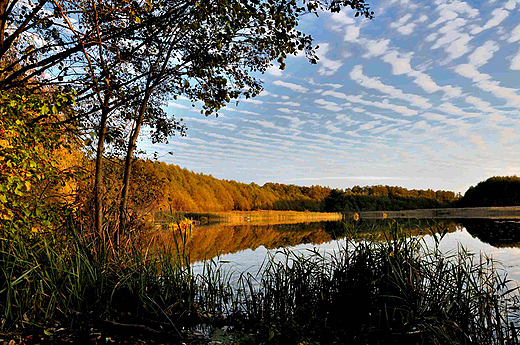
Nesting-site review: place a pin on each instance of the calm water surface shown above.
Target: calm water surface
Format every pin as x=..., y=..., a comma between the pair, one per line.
x=243, y=248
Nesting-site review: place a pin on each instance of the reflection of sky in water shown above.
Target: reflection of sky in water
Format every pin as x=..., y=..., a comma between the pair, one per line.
x=509, y=257
x=250, y=260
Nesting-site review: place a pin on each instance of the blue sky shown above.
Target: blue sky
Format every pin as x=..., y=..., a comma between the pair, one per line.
x=425, y=95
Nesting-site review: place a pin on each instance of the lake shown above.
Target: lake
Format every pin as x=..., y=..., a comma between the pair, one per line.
x=243, y=248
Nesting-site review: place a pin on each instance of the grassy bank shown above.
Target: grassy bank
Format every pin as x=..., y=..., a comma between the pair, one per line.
x=249, y=217
x=503, y=212
x=67, y=286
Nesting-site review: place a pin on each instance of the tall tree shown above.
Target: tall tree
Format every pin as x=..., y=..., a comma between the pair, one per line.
x=208, y=50
x=127, y=58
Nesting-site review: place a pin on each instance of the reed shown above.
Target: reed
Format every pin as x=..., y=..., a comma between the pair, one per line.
x=68, y=285
x=67, y=282
x=247, y=217
x=397, y=291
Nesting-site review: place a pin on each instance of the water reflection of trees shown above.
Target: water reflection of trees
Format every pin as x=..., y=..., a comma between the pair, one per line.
x=206, y=242
x=498, y=233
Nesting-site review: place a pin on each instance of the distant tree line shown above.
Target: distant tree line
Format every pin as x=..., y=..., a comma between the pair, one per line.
x=157, y=186
x=495, y=191
x=386, y=198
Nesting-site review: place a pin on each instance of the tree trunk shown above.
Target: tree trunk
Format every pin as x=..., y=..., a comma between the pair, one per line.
x=98, y=182
x=128, y=164
x=3, y=19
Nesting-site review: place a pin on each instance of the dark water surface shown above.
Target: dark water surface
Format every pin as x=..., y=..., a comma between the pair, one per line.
x=243, y=248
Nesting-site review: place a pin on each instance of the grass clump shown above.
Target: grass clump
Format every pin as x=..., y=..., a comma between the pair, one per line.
x=70, y=285
x=396, y=291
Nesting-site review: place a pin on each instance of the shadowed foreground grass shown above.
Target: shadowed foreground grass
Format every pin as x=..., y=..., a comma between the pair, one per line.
x=68, y=287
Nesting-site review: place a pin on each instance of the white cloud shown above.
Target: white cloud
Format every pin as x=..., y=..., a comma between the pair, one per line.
x=400, y=62
x=331, y=127
x=374, y=83
x=274, y=70
x=498, y=15
x=239, y=111
x=265, y=93
x=328, y=105
x=515, y=35
x=479, y=104
x=294, y=121
x=265, y=124
x=407, y=29
x=346, y=120
x=484, y=81
x=286, y=111
x=452, y=40
x=431, y=37
x=469, y=71
x=434, y=117
x=369, y=125
x=507, y=135
x=401, y=21
x=294, y=87
x=177, y=105
x=289, y=104
x=375, y=47
x=336, y=94
x=460, y=7
x=444, y=16
x=511, y=4
x=402, y=27
x=334, y=86
x=212, y=123
x=426, y=83
x=327, y=66
x=483, y=54
x=353, y=134
x=422, y=18
x=515, y=61
x=385, y=104
x=250, y=100
x=351, y=33
x=343, y=17
x=458, y=47
x=506, y=93
x=451, y=109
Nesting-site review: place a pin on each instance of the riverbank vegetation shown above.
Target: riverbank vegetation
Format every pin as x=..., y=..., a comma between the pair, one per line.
x=62, y=287
x=264, y=217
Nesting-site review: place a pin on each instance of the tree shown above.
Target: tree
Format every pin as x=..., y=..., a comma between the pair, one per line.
x=126, y=59
x=29, y=169
x=207, y=51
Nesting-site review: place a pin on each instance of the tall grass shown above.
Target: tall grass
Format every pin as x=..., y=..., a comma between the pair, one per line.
x=398, y=291
x=369, y=292
x=69, y=280
x=247, y=217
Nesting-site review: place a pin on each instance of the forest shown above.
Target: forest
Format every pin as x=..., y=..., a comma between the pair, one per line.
x=495, y=191
x=157, y=186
